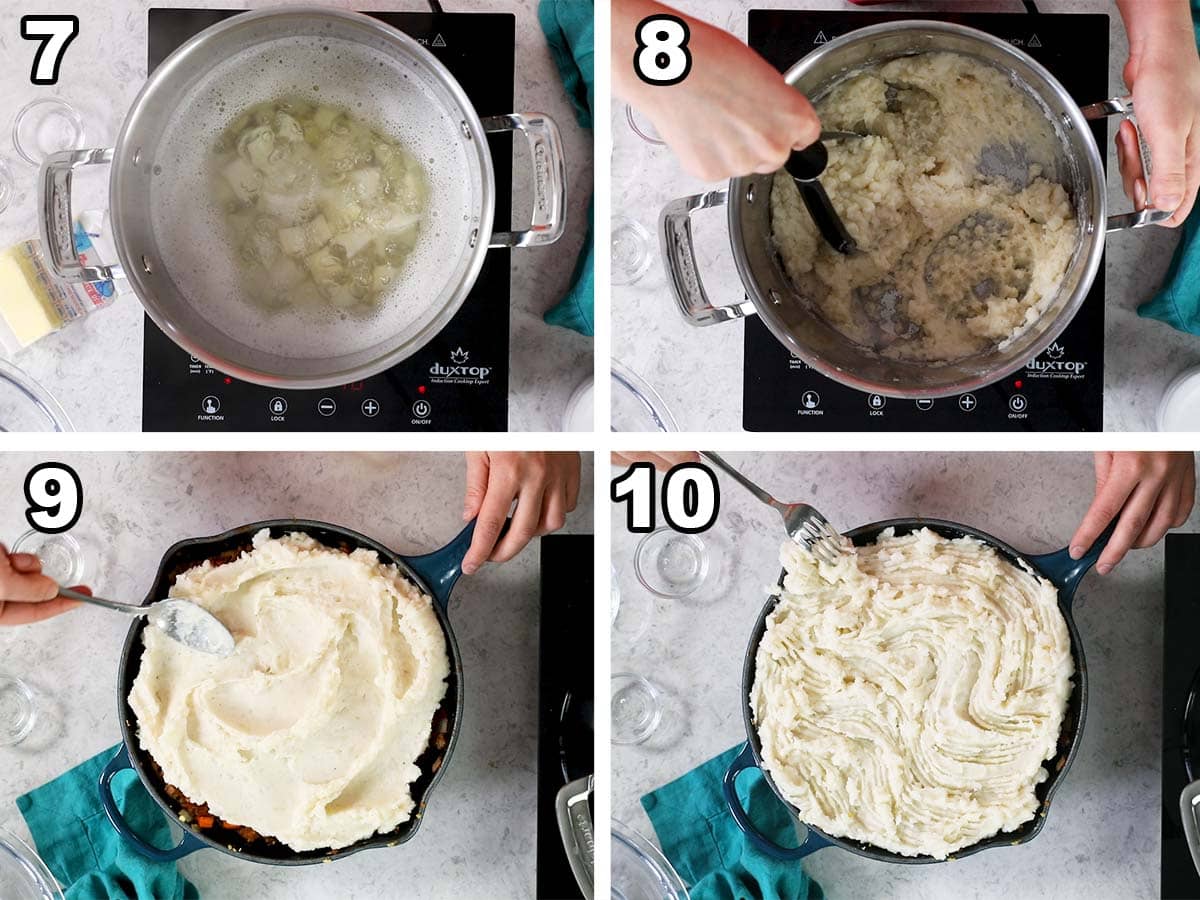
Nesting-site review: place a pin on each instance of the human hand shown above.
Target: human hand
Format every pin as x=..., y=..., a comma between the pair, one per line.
x=1163, y=74
x=545, y=486
x=732, y=115
x=26, y=595
x=662, y=461
x=1148, y=493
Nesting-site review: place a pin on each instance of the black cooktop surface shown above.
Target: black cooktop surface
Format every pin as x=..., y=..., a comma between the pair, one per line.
x=566, y=737
x=459, y=380
x=1181, y=663
x=1061, y=390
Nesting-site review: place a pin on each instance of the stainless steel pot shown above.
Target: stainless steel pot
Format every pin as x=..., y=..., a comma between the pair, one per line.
x=139, y=158
x=772, y=295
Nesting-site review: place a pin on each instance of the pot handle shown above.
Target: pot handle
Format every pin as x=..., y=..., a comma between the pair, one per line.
x=1189, y=801
x=1123, y=107
x=189, y=844
x=549, y=179
x=1066, y=573
x=679, y=256
x=442, y=568
x=575, y=827
x=812, y=841
x=56, y=220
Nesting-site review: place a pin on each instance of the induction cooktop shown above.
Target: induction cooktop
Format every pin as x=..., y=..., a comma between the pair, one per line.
x=459, y=380
x=566, y=736
x=1060, y=390
x=1181, y=709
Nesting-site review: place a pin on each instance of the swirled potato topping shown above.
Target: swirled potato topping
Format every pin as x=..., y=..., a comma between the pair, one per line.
x=310, y=732
x=909, y=696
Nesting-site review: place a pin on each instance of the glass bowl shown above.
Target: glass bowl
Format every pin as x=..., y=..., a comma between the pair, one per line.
x=636, y=708
x=639, y=869
x=636, y=406
x=670, y=564
x=7, y=185
x=26, y=406
x=18, y=713
x=46, y=126
x=23, y=875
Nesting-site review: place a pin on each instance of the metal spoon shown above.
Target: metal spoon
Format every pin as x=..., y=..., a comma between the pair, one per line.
x=803, y=523
x=180, y=620
x=805, y=166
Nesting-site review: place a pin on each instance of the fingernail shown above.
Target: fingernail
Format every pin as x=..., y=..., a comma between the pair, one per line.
x=1104, y=568
x=1171, y=201
x=1139, y=194
x=1075, y=552
x=469, y=568
x=466, y=514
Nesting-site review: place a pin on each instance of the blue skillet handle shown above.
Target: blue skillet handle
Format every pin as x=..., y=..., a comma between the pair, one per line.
x=1066, y=573
x=812, y=841
x=119, y=763
x=442, y=568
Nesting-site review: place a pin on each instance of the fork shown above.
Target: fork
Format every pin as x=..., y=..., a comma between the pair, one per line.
x=803, y=523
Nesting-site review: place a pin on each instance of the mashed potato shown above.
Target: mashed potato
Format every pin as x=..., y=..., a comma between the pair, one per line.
x=964, y=233
x=908, y=696
x=311, y=730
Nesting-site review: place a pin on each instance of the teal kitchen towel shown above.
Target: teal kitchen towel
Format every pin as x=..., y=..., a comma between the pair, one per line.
x=708, y=850
x=1178, y=301
x=82, y=849
x=569, y=29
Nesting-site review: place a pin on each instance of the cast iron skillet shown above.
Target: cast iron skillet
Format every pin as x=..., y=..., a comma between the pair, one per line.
x=1062, y=571
x=435, y=573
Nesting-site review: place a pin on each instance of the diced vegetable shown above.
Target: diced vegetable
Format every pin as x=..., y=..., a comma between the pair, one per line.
x=326, y=268
x=367, y=183
x=243, y=179
x=340, y=295
x=256, y=145
x=340, y=210
x=354, y=240
x=298, y=240
x=288, y=129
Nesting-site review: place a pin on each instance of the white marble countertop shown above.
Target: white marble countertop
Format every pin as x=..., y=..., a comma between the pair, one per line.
x=1101, y=836
x=478, y=838
x=698, y=371
x=94, y=368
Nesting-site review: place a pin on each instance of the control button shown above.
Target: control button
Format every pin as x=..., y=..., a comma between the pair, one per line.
x=210, y=405
x=194, y=359
x=924, y=404
x=1017, y=403
x=326, y=406
x=277, y=406
x=810, y=399
x=967, y=402
x=877, y=401
x=422, y=409
x=370, y=408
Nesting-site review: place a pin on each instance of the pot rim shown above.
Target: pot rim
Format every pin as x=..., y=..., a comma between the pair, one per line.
x=1093, y=233
x=123, y=156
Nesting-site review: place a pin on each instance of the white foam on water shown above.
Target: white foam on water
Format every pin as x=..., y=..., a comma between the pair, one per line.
x=382, y=92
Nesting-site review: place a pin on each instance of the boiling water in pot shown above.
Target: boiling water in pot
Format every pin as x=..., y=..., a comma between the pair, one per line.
x=387, y=94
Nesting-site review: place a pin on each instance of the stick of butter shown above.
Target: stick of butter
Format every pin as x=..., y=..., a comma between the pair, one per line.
x=34, y=303
x=25, y=288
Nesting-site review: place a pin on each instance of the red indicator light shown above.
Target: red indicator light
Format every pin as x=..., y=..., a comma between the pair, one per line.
x=229, y=381
x=421, y=389
x=1019, y=384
